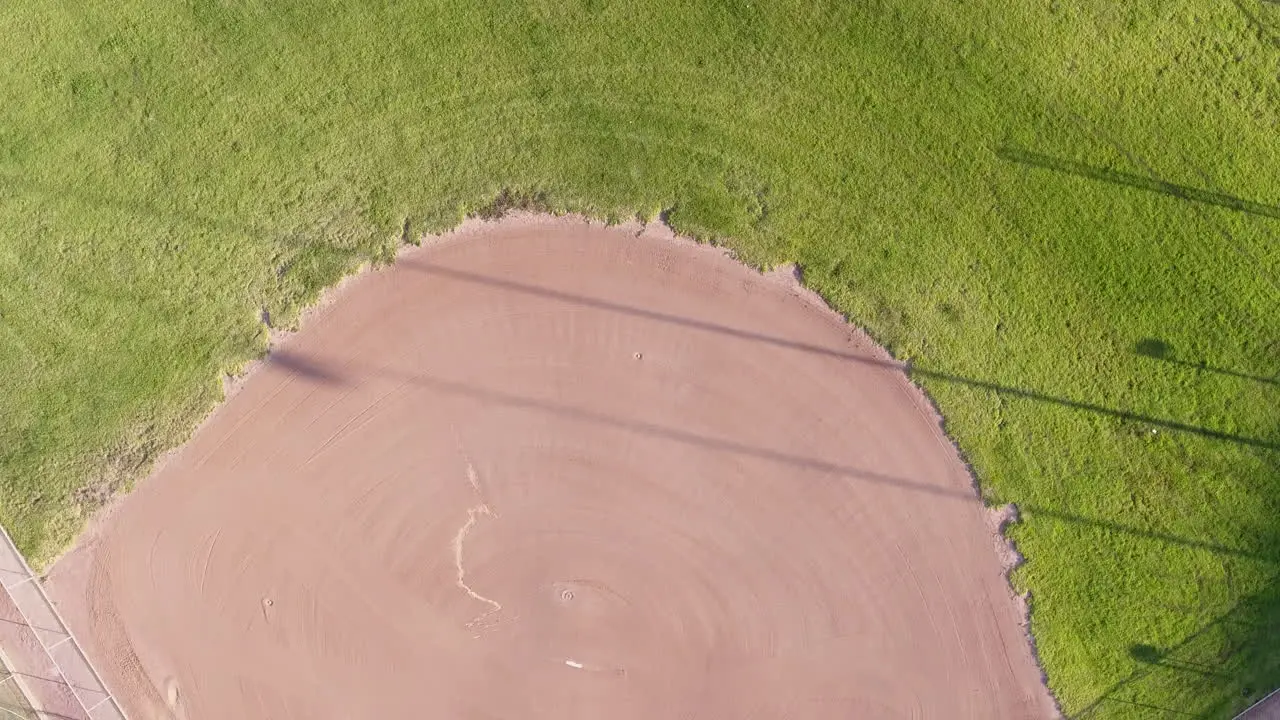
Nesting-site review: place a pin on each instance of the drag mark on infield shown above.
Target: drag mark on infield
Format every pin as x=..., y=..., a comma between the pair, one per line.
x=473, y=513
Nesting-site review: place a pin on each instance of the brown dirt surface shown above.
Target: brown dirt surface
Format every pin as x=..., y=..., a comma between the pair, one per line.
x=547, y=469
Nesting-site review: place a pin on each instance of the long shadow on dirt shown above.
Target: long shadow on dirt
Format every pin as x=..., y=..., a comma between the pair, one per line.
x=313, y=371
x=1233, y=656
x=1149, y=421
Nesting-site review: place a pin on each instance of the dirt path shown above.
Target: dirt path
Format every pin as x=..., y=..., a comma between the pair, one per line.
x=545, y=470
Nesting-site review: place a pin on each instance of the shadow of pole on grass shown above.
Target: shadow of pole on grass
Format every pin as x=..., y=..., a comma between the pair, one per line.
x=1156, y=535
x=1182, y=192
x=1232, y=656
x=1157, y=349
x=1151, y=655
x=1232, y=660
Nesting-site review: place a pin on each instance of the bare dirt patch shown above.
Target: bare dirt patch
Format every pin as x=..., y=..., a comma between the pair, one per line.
x=545, y=469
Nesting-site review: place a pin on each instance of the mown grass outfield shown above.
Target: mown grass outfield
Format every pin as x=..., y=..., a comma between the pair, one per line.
x=1065, y=212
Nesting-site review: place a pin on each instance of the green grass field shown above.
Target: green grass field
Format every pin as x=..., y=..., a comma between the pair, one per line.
x=1065, y=212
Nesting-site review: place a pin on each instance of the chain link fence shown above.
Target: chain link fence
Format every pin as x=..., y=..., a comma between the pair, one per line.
x=42, y=659
x=13, y=703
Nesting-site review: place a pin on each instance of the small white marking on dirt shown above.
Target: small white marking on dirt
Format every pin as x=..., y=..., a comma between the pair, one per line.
x=458, y=540
x=473, y=478
x=472, y=514
x=172, y=694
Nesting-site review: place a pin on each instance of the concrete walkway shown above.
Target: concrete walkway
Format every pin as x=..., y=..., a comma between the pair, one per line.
x=43, y=658
x=1268, y=708
x=13, y=703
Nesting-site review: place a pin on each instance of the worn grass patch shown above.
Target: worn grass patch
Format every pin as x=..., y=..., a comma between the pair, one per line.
x=1064, y=211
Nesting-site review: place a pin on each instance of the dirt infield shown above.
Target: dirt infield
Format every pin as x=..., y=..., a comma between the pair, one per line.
x=540, y=469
